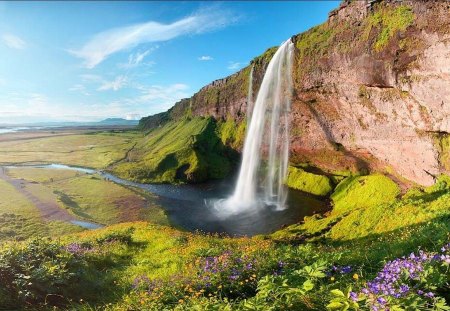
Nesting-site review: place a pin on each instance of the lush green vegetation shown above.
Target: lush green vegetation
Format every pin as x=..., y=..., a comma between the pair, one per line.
x=349, y=259
x=188, y=150
x=232, y=133
x=308, y=182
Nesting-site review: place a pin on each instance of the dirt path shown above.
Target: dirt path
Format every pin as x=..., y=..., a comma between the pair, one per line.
x=49, y=210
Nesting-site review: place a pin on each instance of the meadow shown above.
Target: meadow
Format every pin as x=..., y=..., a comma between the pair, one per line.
x=376, y=249
x=93, y=149
x=45, y=202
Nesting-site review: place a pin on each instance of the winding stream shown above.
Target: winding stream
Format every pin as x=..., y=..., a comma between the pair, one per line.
x=187, y=206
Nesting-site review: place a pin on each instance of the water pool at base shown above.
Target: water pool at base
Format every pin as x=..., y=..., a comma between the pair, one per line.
x=187, y=206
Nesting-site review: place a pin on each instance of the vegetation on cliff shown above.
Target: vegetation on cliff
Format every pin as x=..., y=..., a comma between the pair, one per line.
x=189, y=150
x=308, y=182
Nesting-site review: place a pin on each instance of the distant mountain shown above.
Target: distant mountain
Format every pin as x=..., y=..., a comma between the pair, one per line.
x=118, y=121
x=106, y=122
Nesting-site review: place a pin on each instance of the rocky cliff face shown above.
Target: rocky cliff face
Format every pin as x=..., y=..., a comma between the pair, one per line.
x=372, y=91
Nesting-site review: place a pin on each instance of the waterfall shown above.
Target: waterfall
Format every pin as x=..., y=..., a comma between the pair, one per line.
x=267, y=133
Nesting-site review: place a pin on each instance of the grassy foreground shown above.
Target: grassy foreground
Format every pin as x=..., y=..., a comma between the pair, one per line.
x=376, y=250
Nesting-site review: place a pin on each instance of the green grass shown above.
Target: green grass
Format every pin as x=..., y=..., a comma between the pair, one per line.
x=232, y=133
x=369, y=224
x=20, y=219
x=307, y=182
x=90, y=197
x=188, y=150
x=87, y=197
x=363, y=191
x=98, y=150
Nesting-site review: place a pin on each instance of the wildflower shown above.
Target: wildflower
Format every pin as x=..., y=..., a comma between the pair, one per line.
x=346, y=269
x=355, y=276
x=429, y=295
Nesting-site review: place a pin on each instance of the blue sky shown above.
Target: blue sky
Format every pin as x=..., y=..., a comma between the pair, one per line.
x=85, y=61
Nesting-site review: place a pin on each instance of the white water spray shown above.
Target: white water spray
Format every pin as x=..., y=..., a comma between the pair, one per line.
x=268, y=131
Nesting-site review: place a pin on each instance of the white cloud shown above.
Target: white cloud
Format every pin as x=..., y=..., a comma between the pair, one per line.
x=91, y=78
x=103, y=44
x=32, y=107
x=132, y=116
x=79, y=88
x=115, y=85
x=169, y=94
x=205, y=58
x=135, y=59
x=234, y=65
x=13, y=41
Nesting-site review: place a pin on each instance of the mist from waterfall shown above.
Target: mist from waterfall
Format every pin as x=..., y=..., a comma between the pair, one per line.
x=261, y=183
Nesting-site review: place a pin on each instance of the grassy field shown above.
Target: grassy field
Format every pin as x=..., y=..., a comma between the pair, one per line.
x=85, y=197
x=95, y=150
x=20, y=219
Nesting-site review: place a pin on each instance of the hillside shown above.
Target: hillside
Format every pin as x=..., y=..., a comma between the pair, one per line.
x=370, y=92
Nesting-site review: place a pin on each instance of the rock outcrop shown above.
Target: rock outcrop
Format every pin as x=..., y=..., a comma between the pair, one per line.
x=372, y=91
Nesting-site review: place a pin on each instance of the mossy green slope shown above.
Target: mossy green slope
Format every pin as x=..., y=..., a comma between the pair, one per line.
x=188, y=150
x=308, y=182
x=364, y=191
x=371, y=205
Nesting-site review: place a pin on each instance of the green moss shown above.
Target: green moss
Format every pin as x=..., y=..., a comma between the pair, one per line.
x=308, y=182
x=188, y=150
x=443, y=143
x=389, y=21
x=363, y=191
x=232, y=133
x=316, y=41
x=265, y=57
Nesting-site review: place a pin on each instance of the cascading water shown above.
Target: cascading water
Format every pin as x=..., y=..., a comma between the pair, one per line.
x=268, y=132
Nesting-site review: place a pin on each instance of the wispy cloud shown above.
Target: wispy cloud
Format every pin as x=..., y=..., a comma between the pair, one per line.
x=13, y=41
x=234, y=65
x=205, y=58
x=79, y=88
x=169, y=94
x=135, y=59
x=103, y=44
x=115, y=85
x=147, y=100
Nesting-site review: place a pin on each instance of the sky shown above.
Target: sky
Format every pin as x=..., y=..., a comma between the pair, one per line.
x=87, y=61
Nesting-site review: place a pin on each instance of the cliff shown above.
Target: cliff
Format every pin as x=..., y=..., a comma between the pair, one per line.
x=372, y=92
